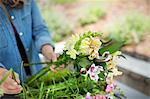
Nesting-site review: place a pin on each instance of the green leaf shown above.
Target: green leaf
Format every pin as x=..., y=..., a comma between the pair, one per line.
x=102, y=76
x=41, y=90
x=84, y=62
x=115, y=46
x=37, y=76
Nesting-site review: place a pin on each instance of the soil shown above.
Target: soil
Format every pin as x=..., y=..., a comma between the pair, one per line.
x=140, y=50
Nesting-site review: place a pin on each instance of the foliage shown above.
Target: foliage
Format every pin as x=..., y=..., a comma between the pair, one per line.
x=92, y=75
x=131, y=29
x=91, y=15
x=57, y=24
x=62, y=1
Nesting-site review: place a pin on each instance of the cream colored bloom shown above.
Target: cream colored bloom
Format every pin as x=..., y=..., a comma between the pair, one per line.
x=95, y=44
x=116, y=72
x=93, y=55
x=90, y=46
x=112, y=66
x=85, y=46
x=113, y=62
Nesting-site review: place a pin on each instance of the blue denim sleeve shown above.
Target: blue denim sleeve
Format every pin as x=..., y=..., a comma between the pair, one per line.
x=40, y=30
x=1, y=65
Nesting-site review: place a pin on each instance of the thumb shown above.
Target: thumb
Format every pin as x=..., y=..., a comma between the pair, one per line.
x=54, y=57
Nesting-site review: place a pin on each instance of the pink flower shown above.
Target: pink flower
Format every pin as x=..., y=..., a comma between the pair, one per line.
x=94, y=71
x=88, y=96
x=99, y=97
x=109, y=88
x=94, y=76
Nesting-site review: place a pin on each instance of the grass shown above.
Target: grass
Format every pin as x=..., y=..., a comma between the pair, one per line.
x=58, y=25
x=91, y=15
x=65, y=85
x=62, y=1
x=130, y=29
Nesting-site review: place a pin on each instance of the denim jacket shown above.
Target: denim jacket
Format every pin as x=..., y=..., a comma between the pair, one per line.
x=32, y=31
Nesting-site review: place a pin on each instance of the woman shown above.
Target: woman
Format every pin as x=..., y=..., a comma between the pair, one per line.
x=23, y=35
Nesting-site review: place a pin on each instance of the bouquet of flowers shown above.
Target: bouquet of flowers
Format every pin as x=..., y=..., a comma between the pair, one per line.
x=90, y=68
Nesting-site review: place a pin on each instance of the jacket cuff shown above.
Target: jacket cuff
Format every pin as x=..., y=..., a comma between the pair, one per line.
x=43, y=41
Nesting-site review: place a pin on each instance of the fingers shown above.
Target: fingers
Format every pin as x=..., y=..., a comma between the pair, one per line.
x=11, y=87
x=11, y=76
x=57, y=55
x=54, y=57
x=49, y=53
x=10, y=84
x=52, y=68
x=16, y=77
x=8, y=91
x=62, y=66
x=51, y=56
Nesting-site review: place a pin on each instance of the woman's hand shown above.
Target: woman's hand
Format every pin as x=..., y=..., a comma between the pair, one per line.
x=49, y=53
x=10, y=86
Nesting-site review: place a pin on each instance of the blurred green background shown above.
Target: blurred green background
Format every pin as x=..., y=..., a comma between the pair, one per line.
x=122, y=20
